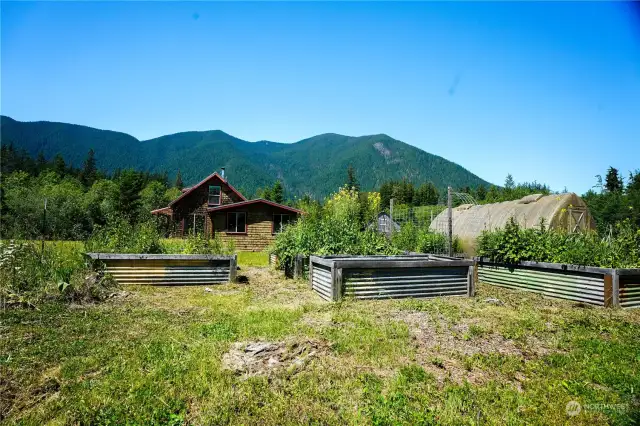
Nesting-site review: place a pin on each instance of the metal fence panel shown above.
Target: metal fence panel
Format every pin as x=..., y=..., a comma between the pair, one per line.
x=383, y=277
x=577, y=286
x=392, y=283
x=629, y=290
x=167, y=270
x=321, y=281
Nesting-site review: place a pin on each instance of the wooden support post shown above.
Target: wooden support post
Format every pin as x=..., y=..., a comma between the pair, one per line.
x=233, y=268
x=298, y=266
x=615, y=289
x=476, y=275
x=337, y=286
x=310, y=273
x=471, y=285
x=608, y=291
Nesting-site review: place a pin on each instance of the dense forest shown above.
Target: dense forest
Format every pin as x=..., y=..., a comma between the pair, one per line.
x=80, y=198
x=426, y=193
x=77, y=198
x=314, y=166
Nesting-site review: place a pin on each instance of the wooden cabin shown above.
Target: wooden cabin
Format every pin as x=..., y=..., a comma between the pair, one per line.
x=214, y=207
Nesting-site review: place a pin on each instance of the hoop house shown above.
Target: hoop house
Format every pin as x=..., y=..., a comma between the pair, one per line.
x=559, y=211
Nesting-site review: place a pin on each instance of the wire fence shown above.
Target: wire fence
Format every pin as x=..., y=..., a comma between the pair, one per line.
x=435, y=218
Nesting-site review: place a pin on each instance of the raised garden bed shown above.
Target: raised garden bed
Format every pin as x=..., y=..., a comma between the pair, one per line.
x=390, y=277
x=597, y=286
x=168, y=269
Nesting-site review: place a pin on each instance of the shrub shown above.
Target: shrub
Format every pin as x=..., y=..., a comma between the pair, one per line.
x=119, y=236
x=29, y=275
x=406, y=239
x=198, y=244
x=514, y=244
x=412, y=238
x=336, y=228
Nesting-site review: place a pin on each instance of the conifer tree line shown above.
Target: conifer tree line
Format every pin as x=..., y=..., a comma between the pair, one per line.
x=83, y=197
x=78, y=198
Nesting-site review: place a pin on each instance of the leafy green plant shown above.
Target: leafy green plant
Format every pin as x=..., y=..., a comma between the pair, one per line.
x=336, y=228
x=514, y=244
x=119, y=236
x=29, y=275
x=198, y=244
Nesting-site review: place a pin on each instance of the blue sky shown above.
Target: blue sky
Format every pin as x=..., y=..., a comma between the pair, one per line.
x=545, y=91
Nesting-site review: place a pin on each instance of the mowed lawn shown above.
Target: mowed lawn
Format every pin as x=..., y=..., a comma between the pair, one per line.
x=156, y=355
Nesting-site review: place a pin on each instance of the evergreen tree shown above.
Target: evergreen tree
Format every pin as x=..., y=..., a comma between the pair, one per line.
x=426, y=195
x=493, y=195
x=352, y=182
x=179, y=184
x=278, y=192
x=130, y=184
x=41, y=162
x=59, y=166
x=89, y=169
x=386, y=194
x=613, y=182
x=509, y=183
x=264, y=193
x=481, y=193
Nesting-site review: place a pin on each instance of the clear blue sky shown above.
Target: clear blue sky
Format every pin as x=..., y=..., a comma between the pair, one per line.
x=545, y=91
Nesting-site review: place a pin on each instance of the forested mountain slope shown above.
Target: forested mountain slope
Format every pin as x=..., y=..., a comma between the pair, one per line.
x=316, y=166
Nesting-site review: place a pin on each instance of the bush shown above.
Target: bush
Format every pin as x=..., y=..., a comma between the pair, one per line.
x=198, y=244
x=411, y=238
x=514, y=244
x=119, y=236
x=29, y=275
x=336, y=228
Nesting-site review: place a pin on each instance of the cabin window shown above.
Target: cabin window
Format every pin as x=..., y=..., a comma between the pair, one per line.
x=237, y=222
x=279, y=222
x=214, y=195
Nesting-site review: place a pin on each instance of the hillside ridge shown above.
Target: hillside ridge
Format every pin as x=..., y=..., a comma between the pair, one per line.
x=316, y=165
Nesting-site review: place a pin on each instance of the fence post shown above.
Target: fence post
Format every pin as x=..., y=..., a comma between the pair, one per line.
x=310, y=273
x=337, y=283
x=233, y=268
x=615, y=289
x=450, y=221
x=608, y=290
x=297, y=266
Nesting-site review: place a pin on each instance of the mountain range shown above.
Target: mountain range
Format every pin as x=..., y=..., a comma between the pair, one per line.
x=315, y=166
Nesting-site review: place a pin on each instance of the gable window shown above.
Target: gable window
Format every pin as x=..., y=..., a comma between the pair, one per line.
x=237, y=222
x=214, y=195
x=279, y=222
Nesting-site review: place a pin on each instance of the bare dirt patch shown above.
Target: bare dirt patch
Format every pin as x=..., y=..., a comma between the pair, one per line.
x=442, y=347
x=264, y=358
x=271, y=287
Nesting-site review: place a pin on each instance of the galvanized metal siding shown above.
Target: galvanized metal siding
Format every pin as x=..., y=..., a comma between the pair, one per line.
x=393, y=283
x=576, y=286
x=167, y=272
x=630, y=291
x=321, y=281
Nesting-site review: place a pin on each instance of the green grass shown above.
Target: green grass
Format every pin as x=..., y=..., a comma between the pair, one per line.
x=154, y=357
x=248, y=258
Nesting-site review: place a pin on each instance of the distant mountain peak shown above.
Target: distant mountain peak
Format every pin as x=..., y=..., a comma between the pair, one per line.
x=315, y=166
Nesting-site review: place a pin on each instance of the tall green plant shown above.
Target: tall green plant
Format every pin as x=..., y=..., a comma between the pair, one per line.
x=514, y=244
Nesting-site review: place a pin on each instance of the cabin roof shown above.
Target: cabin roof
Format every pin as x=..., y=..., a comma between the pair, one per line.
x=204, y=181
x=256, y=201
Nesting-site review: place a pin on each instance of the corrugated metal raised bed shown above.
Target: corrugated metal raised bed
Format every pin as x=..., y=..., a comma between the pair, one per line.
x=168, y=269
x=596, y=286
x=629, y=287
x=390, y=277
